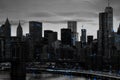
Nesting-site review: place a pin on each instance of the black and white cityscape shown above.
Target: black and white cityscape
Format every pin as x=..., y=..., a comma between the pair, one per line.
x=82, y=56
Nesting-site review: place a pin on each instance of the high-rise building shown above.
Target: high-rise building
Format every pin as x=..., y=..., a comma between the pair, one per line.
x=66, y=36
x=46, y=33
x=83, y=35
x=105, y=31
x=35, y=29
x=50, y=36
x=109, y=10
x=19, y=31
x=89, y=39
x=103, y=34
x=73, y=26
x=7, y=29
x=7, y=34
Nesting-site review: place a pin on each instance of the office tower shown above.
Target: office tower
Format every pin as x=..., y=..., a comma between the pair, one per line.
x=66, y=36
x=103, y=34
x=50, y=36
x=30, y=47
x=83, y=35
x=109, y=10
x=35, y=30
x=89, y=39
x=19, y=31
x=46, y=33
x=73, y=26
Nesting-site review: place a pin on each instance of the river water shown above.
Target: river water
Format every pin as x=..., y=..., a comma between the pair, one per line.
x=43, y=76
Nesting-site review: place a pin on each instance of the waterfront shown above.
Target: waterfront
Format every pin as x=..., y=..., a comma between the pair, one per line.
x=43, y=76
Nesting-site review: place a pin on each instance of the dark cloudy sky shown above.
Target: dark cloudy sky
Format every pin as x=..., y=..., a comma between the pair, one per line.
x=55, y=13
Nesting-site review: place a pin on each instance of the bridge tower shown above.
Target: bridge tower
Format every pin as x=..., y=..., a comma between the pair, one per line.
x=18, y=68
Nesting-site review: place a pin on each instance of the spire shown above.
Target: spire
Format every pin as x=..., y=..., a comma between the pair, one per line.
x=7, y=21
x=19, y=25
x=19, y=30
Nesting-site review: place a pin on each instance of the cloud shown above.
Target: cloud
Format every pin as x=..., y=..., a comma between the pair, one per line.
x=65, y=21
x=86, y=14
x=42, y=14
x=51, y=8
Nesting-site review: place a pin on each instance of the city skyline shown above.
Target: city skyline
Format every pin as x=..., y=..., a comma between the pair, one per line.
x=85, y=12
x=60, y=49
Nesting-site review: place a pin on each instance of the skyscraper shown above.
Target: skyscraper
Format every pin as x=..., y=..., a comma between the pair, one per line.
x=109, y=10
x=50, y=36
x=105, y=31
x=73, y=26
x=46, y=33
x=103, y=34
x=83, y=35
x=7, y=34
x=19, y=31
x=7, y=29
x=89, y=39
x=66, y=36
x=35, y=29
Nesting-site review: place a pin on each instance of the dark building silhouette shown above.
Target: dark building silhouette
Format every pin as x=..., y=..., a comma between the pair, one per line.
x=73, y=26
x=109, y=10
x=46, y=33
x=18, y=67
x=103, y=34
x=83, y=37
x=35, y=29
x=7, y=29
x=66, y=36
x=19, y=31
x=7, y=34
x=2, y=47
x=105, y=38
x=105, y=30
x=30, y=47
x=89, y=39
x=50, y=36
